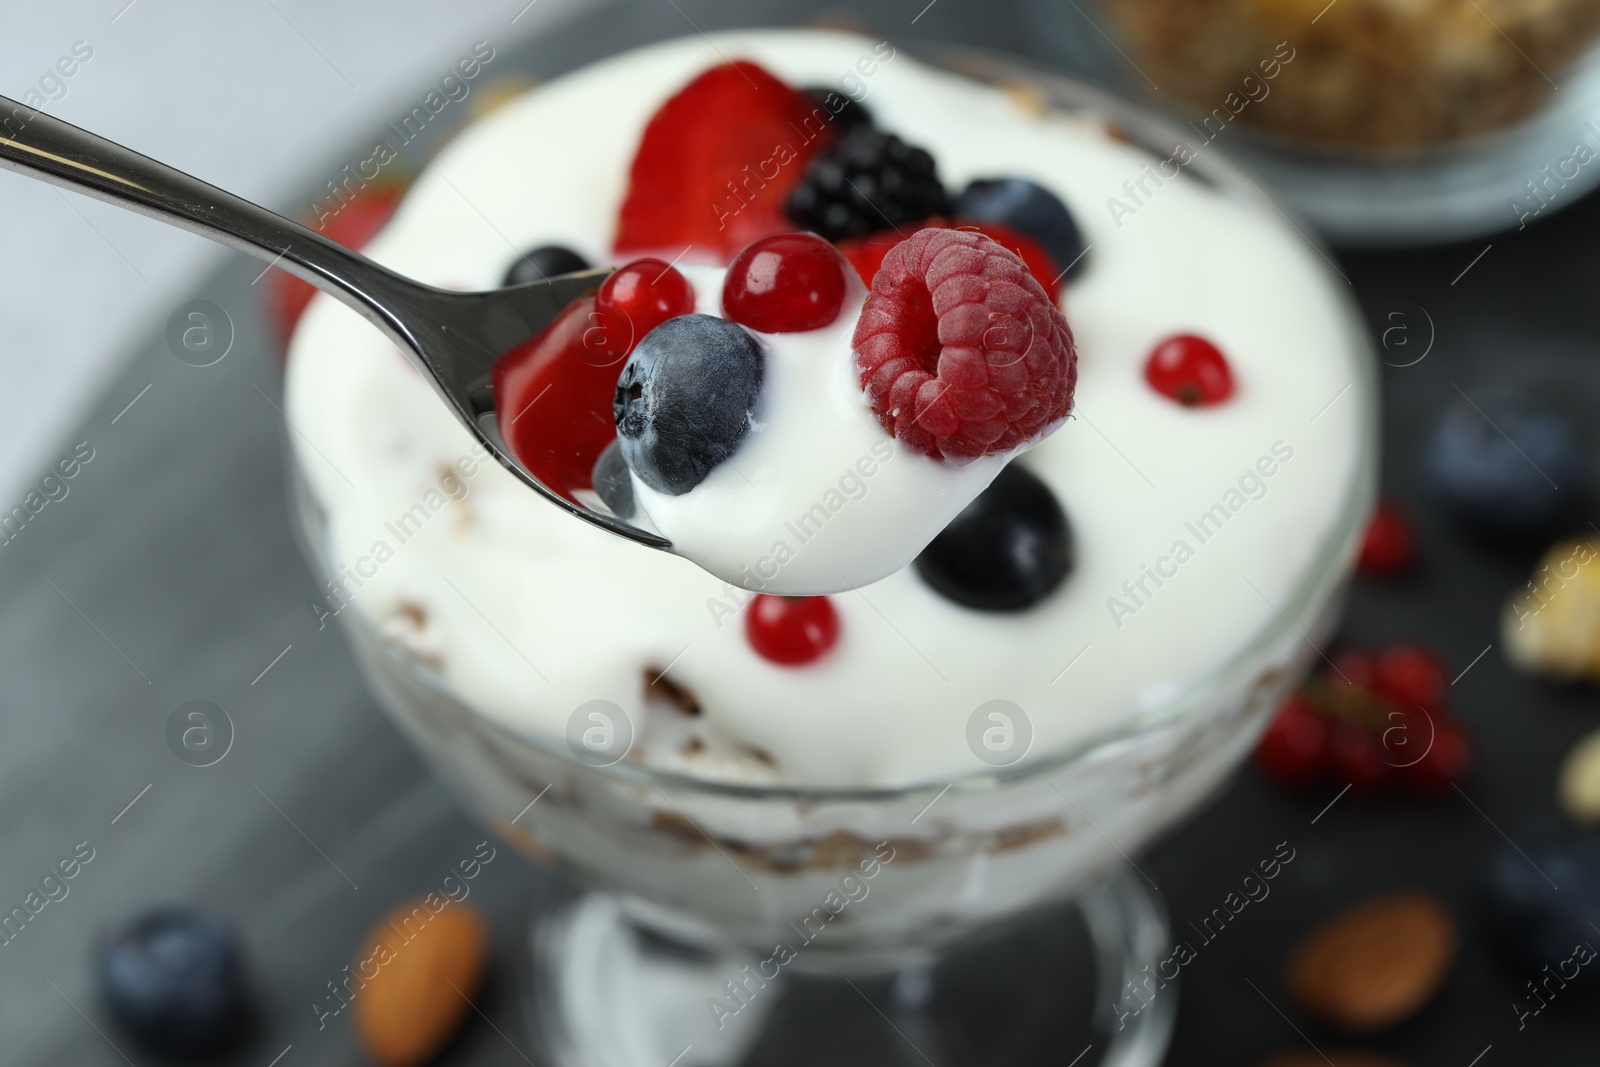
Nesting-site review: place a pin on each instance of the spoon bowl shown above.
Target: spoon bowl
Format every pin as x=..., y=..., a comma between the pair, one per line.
x=453, y=338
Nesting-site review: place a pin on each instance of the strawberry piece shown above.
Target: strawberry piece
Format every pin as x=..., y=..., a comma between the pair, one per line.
x=959, y=349
x=717, y=162
x=866, y=253
x=570, y=376
x=356, y=222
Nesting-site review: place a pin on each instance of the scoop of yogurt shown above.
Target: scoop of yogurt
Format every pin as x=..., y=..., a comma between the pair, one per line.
x=754, y=447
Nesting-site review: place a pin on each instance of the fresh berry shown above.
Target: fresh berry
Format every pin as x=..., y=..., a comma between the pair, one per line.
x=847, y=113
x=717, y=163
x=543, y=263
x=1294, y=749
x=1444, y=761
x=174, y=979
x=634, y=300
x=1535, y=924
x=868, y=181
x=959, y=349
x=1190, y=370
x=612, y=481
x=791, y=630
x=1410, y=676
x=1505, y=466
x=1356, y=754
x=685, y=400
x=357, y=221
x=572, y=386
x=1028, y=208
x=1389, y=547
x=786, y=283
x=1354, y=667
x=866, y=253
x=1006, y=551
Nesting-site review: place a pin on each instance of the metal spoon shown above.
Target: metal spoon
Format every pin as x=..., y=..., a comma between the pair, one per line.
x=452, y=337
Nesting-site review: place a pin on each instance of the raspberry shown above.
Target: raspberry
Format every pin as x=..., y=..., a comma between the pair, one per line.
x=959, y=349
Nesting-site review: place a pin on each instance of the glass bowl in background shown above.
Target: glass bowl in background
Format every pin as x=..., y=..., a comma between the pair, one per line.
x=1384, y=124
x=883, y=897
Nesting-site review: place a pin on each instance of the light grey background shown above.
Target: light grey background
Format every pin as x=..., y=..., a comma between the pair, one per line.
x=244, y=94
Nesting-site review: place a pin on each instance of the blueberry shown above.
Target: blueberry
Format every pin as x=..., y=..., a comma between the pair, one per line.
x=544, y=262
x=1505, y=466
x=1007, y=550
x=174, y=978
x=1532, y=922
x=611, y=481
x=684, y=400
x=1030, y=209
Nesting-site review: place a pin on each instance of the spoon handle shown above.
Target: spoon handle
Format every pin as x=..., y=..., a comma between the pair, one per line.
x=58, y=152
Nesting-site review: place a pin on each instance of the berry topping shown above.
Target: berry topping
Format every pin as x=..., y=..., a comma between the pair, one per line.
x=542, y=263
x=718, y=161
x=847, y=113
x=1028, y=208
x=1006, y=551
x=785, y=283
x=1506, y=467
x=612, y=481
x=868, y=181
x=1294, y=750
x=685, y=399
x=959, y=349
x=174, y=979
x=634, y=300
x=1190, y=370
x=791, y=630
x=866, y=253
x=1389, y=547
x=571, y=380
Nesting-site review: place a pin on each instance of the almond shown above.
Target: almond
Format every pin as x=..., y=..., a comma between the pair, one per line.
x=1375, y=964
x=422, y=963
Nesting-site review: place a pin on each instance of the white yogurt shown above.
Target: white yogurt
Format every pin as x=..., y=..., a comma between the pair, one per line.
x=818, y=498
x=1192, y=525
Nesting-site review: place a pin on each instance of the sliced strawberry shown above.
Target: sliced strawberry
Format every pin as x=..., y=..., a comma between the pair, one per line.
x=866, y=253
x=717, y=163
x=553, y=394
x=355, y=223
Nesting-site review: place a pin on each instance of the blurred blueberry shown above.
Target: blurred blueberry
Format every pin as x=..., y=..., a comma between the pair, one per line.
x=1533, y=923
x=1505, y=466
x=544, y=262
x=174, y=978
x=1006, y=551
x=1029, y=209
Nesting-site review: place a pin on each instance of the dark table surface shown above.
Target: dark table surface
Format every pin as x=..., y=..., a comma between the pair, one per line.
x=168, y=574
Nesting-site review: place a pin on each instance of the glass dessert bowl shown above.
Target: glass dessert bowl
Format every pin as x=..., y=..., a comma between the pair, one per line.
x=942, y=763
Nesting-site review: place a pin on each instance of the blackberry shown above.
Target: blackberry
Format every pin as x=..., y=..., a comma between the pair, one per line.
x=869, y=181
x=845, y=113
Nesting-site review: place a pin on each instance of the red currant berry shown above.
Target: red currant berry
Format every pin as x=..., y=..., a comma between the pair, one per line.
x=791, y=630
x=1294, y=750
x=1355, y=667
x=1445, y=761
x=1190, y=370
x=1356, y=754
x=1390, y=546
x=636, y=299
x=786, y=283
x=1411, y=677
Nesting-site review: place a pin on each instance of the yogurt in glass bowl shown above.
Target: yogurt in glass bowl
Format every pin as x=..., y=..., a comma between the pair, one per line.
x=943, y=766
